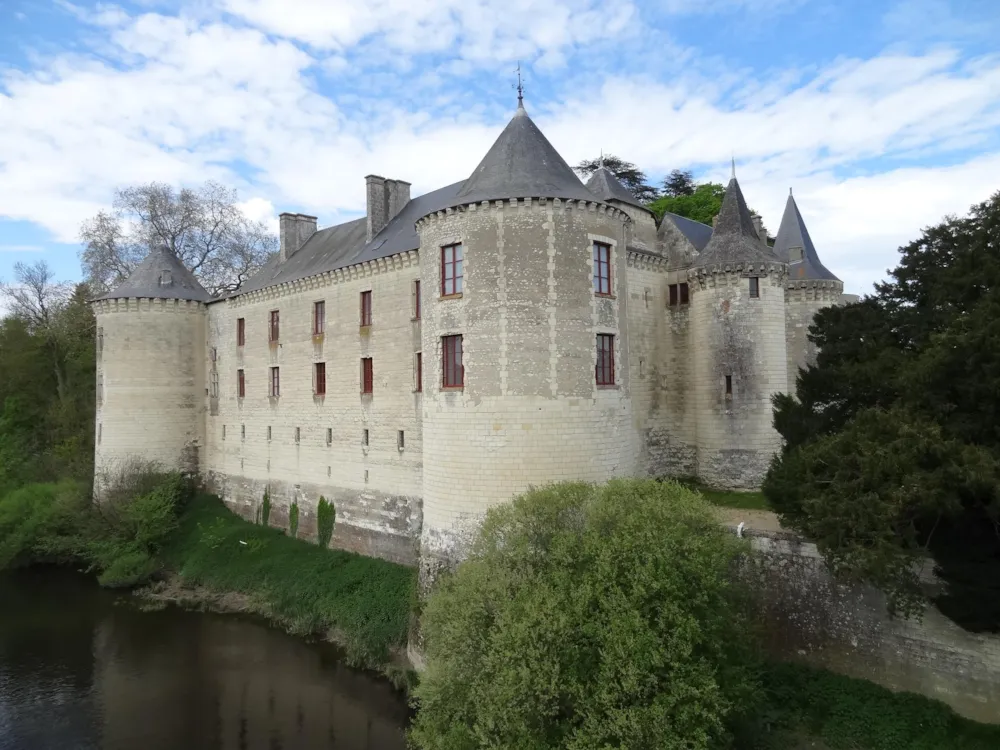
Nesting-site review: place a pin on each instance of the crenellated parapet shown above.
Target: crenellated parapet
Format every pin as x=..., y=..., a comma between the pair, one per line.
x=823, y=291
x=539, y=205
x=145, y=304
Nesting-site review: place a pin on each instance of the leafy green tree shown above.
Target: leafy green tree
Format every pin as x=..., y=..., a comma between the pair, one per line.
x=703, y=204
x=628, y=174
x=588, y=617
x=679, y=182
x=893, y=438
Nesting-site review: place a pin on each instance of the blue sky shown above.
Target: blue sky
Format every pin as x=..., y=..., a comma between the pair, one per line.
x=883, y=115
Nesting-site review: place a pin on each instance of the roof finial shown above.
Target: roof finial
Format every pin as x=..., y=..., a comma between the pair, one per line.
x=519, y=87
x=734, y=167
x=601, y=160
x=789, y=192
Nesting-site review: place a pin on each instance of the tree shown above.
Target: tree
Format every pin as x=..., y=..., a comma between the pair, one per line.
x=620, y=598
x=204, y=227
x=892, y=443
x=679, y=183
x=628, y=174
x=703, y=204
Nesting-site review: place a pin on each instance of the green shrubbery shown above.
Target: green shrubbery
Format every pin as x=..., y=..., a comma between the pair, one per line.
x=362, y=602
x=589, y=617
x=326, y=516
x=293, y=520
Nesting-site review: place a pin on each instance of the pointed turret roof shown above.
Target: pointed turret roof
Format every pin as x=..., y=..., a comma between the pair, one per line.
x=793, y=234
x=522, y=164
x=606, y=187
x=734, y=239
x=161, y=275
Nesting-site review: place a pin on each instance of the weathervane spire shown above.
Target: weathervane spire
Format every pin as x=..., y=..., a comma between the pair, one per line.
x=601, y=163
x=734, y=167
x=519, y=87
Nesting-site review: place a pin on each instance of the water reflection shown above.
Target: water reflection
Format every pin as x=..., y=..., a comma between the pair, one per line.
x=81, y=668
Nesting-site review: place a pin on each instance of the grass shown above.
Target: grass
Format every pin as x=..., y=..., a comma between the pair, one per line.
x=362, y=602
x=727, y=498
x=805, y=707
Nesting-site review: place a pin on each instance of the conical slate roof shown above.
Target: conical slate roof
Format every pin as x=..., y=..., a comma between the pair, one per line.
x=606, y=187
x=161, y=275
x=522, y=164
x=734, y=239
x=793, y=234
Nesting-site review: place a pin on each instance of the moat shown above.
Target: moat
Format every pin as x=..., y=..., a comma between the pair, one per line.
x=82, y=668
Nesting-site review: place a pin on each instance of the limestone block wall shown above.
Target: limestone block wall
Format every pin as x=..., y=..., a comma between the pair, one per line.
x=803, y=299
x=316, y=446
x=641, y=229
x=530, y=412
x=743, y=338
x=808, y=616
x=150, y=384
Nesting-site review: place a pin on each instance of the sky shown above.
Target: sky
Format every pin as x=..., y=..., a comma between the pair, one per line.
x=883, y=115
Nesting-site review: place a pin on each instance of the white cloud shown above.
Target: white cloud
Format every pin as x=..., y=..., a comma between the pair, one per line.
x=182, y=100
x=21, y=248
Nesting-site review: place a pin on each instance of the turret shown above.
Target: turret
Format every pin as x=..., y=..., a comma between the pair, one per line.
x=607, y=188
x=738, y=323
x=524, y=355
x=151, y=369
x=810, y=287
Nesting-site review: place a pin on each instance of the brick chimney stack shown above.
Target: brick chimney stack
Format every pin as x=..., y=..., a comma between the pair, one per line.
x=293, y=231
x=384, y=199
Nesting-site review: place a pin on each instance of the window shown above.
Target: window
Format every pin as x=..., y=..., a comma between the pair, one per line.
x=241, y=384
x=400, y=440
x=452, y=371
x=243, y=432
x=223, y=432
x=602, y=268
x=319, y=318
x=794, y=254
x=416, y=299
x=754, y=286
x=605, y=368
x=298, y=434
x=419, y=372
x=241, y=331
x=364, y=437
x=672, y=297
x=319, y=378
x=367, y=375
x=678, y=294
x=213, y=384
x=729, y=385
x=100, y=387
x=451, y=270
x=269, y=433
x=329, y=437
x=275, y=388
x=272, y=329
x=100, y=339
x=366, y=308
x=213, y=354
x=99, y=430
x=685, y=293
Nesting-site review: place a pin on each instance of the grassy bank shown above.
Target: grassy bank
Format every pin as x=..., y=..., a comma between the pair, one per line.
x=803, y=707
x=359, y=602
x=727, y=498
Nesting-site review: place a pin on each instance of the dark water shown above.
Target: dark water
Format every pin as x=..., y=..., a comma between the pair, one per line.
x=83, y=669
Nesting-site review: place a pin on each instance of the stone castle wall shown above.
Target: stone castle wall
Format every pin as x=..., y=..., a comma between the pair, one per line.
x=807, y=616
x=150, y=384
x=376, y=489
x=803, y=299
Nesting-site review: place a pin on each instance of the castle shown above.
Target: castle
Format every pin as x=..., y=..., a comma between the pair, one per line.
x=443, y=353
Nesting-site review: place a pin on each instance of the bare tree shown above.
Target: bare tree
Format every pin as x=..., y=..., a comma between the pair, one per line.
x=37, y=299
x=204, y=227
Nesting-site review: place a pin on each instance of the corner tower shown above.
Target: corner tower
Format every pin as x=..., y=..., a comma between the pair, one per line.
x=810, y=288
x=510, y=334
x=738, y=324
x=151, y=368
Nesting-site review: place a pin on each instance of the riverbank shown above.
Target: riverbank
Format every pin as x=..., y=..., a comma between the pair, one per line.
x=216, y=561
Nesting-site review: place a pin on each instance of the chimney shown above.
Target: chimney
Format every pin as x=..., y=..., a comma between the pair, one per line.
x=293, y=231
x=377, y=201
x=399, y=196
x=758, y=225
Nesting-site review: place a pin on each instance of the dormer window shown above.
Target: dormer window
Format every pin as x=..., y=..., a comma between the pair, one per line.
x=794, y=254
x=165, y=278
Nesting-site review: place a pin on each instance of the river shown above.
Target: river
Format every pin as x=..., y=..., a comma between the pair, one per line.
x=82, y=668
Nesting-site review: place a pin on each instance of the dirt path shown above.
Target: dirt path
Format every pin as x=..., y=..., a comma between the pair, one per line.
x=759, y=520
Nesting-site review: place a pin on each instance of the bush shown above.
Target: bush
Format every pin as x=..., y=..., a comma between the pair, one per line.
x=265, y=508
x=326, y=516
x=588, y=617
x=43, y=523
x=293, y=520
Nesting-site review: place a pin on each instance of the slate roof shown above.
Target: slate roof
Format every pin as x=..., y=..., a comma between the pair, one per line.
x=793, y=233
x=607, y=187
x=344, y=244
x=522, y=164
x=734, y=238
x=161, y=275
x=698, y=234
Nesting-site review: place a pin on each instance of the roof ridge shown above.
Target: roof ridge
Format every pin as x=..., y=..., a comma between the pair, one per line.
x=605, y=185
x=160, y=275
x=793, y=233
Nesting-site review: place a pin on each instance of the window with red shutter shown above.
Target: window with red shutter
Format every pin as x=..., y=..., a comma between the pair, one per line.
x=451, y=270
x=319, y=317
x=275, y=389
x=419, y=374
x=241, y=331
x=366, y=308
x=416, y=300
x=241, y=384
x=605, y=367
x=272, y=329
x=452, y=370
x=319, y=378
x=367, y=375
x=602, y=269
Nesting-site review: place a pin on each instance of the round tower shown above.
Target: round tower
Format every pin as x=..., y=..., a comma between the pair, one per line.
x=738, y=324
x=810, y=287
x=151, y=369
x=523, y=284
